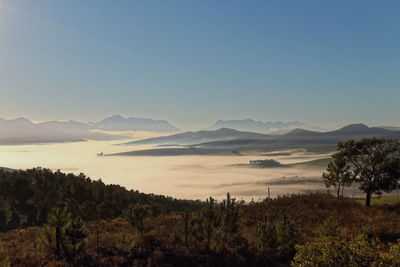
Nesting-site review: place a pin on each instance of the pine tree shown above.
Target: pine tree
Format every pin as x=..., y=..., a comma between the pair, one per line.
x=136, y=214
x=266, y=241
x=231, y=237
x=184, y=230
x=58, y=220
x=209, y=222
x=5, y=214
x=75, y=235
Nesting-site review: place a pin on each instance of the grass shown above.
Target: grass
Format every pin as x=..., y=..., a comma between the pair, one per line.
x=379, y=201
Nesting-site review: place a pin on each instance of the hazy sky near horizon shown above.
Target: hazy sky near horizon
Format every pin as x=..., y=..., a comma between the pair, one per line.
x=193, y=62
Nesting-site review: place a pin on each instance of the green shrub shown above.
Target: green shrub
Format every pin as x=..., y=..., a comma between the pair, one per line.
x=330, y=227
x=393, y=257
x=276, y=239
x=333, y=251
x=124, y=242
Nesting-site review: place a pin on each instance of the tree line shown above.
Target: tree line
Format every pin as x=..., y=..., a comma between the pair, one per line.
x=27, y=197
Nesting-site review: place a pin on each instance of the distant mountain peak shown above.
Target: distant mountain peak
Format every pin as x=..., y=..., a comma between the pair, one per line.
x=300, y=131
x=251, y=125
x=119, y=123
x=354, y=128
x=115, y=117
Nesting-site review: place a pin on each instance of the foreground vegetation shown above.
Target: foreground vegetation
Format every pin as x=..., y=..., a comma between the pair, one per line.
x=301, y=230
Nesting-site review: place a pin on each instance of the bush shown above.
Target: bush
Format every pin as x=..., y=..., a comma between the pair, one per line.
x=333, y=251
x=393, y=257
x=276, y=239
x=124, y=242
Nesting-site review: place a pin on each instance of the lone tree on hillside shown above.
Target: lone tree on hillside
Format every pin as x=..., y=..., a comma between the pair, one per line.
x=338, y=174
x=374, y=164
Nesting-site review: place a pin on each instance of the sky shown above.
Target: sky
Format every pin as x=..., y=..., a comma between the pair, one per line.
x=194, y=62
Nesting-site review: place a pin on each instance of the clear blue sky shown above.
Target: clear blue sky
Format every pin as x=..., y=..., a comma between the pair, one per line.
x=193, y=62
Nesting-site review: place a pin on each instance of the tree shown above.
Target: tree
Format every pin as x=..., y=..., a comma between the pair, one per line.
x=65, y=233
x=75, y=234
x=58, y=219
x=338, y=174
x=208, y=222
x=374, y=164
x=184, y=230
x=135, y=214
x=5, y=214
x=266, y=241
x=230, y=234
x=285, y=236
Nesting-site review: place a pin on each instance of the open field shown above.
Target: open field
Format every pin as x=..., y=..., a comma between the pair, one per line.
x=385, y=200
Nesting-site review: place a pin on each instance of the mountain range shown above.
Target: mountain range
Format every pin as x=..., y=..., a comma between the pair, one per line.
x=119, y=123
x=250, y=125
x=24, y=131
x=301, y=137
x=229, y=138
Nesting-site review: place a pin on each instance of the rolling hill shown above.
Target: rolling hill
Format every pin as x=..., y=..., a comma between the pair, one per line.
x=189, y=138
x=300, y=137
x=232, y=142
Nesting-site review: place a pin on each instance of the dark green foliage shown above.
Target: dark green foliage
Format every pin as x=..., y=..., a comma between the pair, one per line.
x=27, y=197
x=63, y=235
x=217, y=227
x=136, y=214
x=208, y=223
x=5, y=214
x=375, y=164
x=285, y=236
x=184, y=230
x=75, y=235
x=265, y=241
x=124, y=242
x=338, y=174
x=275, y=239
x=230, y=236
x=330, y=227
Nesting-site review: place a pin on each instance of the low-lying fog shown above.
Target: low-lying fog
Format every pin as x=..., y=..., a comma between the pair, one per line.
x=190, y=177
